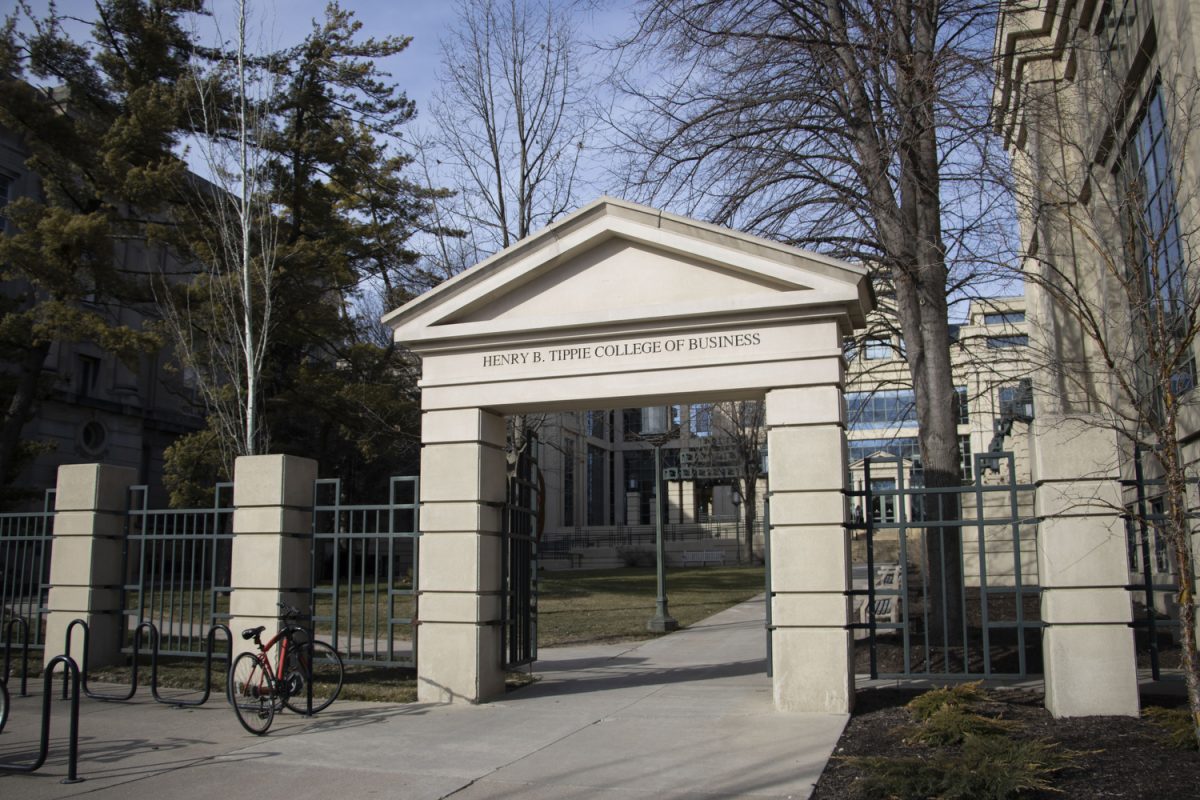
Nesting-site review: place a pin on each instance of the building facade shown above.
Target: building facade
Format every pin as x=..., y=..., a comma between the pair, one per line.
x=95, y=408
x=1095, y=102
x=599, y=472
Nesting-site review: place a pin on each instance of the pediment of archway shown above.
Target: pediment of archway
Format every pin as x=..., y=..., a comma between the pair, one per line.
x=615, y=264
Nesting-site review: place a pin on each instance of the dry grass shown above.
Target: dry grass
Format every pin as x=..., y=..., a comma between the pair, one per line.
x=614, y=605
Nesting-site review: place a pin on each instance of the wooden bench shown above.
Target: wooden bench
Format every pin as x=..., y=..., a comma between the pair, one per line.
x=703, y=557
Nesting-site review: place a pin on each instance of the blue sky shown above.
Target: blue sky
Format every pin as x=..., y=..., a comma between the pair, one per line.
x=285, y=22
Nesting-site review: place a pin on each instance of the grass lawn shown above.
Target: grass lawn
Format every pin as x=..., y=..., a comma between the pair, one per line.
x=614, y=605
x=573, y=608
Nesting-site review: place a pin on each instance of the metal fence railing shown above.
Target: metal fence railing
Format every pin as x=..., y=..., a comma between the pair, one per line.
x=945, y=579
x=364, y=573
x=25, y=542
x=178, y=564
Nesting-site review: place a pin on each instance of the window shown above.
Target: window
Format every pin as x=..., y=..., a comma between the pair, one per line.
x=568, y=482
x=881, y=409
x=597, y=468
x=92, y=438
x=700, y=419
x=908, y=448
x=877, y=349
x=1152, y=221
x=88, y=378
x=964, y=410
x=1016, y=399
x=1004, y=342
x=5, y=197
x=594, y=423
x=639, y=477
x=1162, y=563
x=1004, y=318
x=633, y=420
x=883, y=500
x=964, y=458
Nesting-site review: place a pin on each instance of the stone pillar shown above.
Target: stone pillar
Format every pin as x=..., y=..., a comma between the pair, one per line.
x=87, y=565
x=463, y=490
x=810, y=556
x=1090, y=666
x=272, y=545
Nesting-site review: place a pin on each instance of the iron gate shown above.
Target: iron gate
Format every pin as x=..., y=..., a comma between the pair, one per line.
x=25, y=541
x=364, y=573
x=518, y=559
x=178, y=564
x=983, y=616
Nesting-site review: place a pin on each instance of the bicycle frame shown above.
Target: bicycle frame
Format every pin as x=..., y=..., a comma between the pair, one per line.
x=286, y=635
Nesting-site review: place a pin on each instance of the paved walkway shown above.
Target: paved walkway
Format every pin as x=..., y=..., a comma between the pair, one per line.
x=685, y=716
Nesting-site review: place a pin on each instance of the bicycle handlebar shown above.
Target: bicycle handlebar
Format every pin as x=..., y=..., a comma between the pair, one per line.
x=287, y=612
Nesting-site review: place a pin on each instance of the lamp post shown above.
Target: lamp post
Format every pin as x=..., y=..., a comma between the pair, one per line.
x=656, y=430
x=737, y=513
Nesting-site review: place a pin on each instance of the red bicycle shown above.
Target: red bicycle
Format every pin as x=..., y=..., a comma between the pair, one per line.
x=260, y=684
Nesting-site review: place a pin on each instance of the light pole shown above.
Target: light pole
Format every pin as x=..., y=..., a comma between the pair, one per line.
x=737, y=513
x=656, y=430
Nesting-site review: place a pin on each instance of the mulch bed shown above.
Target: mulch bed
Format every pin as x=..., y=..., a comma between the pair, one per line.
x=1122, y=757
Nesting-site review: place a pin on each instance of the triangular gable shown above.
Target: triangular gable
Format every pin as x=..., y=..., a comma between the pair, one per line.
x=614, y=261
x=885, y=459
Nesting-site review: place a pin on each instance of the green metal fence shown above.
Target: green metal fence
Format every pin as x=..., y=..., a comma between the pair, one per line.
x=178, y=564
x=364, y=573
x=25, y=542
x=945, y=579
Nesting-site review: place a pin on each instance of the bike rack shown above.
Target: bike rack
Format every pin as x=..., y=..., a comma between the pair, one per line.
x=8, y=629
x=71, y=673
x=208, y=660
x=154, y=647
x=137, y=642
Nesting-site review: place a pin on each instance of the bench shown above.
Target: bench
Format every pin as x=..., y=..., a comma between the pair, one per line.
x=703, y=557
x=887, y=607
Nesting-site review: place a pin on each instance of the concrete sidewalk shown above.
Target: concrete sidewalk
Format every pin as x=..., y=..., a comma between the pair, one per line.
x=686, y=715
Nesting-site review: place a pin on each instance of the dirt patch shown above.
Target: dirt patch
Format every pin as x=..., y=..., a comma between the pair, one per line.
x=1121, y=757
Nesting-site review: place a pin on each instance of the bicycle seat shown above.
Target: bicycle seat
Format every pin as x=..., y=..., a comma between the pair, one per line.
x=251, y=633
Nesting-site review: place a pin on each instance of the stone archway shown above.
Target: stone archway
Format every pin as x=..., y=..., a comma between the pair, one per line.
x=621, y=305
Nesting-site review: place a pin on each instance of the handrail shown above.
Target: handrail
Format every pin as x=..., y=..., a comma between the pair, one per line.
x=71, y=672
x=8, y=626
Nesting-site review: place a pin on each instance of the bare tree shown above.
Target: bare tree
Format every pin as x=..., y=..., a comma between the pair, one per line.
x=220, y=324
x=741, y=426
x=511, y=130
x=510, y=121
x=856, y=127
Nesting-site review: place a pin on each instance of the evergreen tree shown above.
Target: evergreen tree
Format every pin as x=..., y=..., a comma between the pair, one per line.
x=100, y=141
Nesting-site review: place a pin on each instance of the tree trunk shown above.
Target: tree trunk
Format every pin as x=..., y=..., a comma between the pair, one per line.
x=19, y=408
x=748, y=510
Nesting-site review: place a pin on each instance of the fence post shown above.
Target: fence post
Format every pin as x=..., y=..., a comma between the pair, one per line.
x=1088, y=646
x=810, y=553
x=272, y=528
x=87, y=565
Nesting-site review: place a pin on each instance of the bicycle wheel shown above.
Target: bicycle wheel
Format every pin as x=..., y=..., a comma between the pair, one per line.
x=252, y=693
x=3, y=704
x=327, y=672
